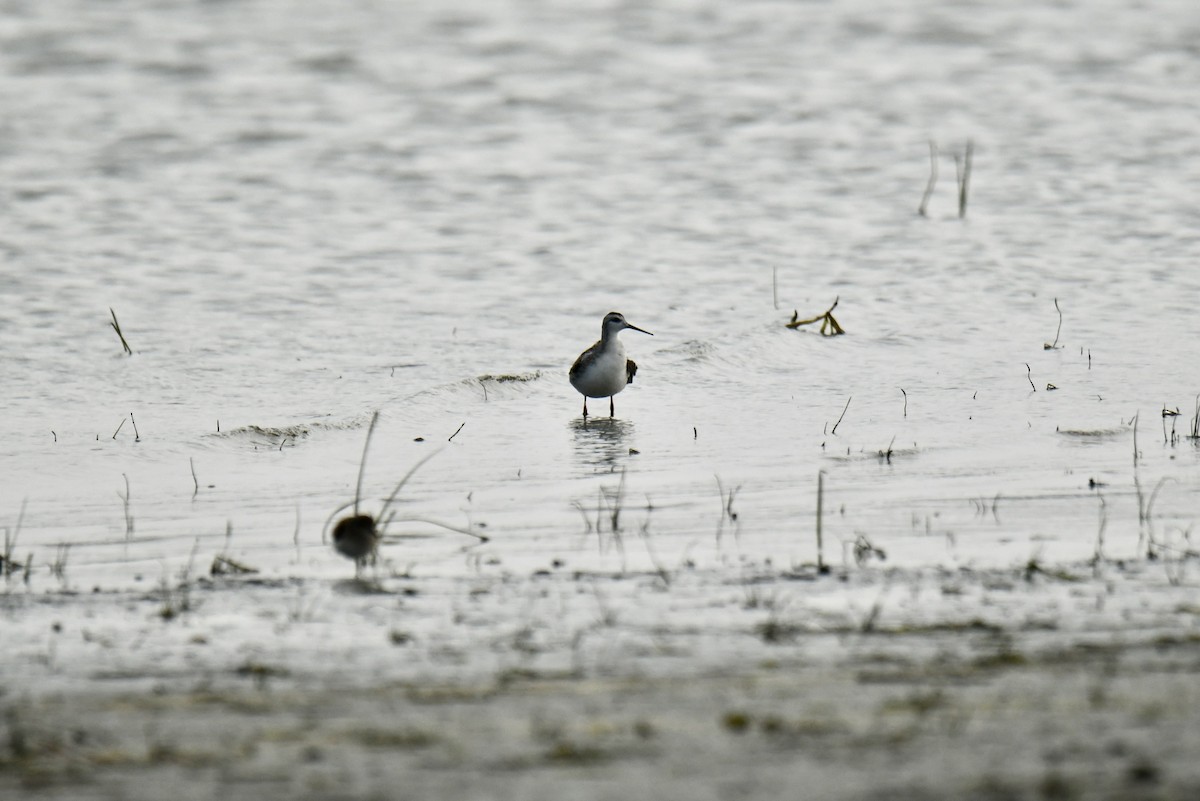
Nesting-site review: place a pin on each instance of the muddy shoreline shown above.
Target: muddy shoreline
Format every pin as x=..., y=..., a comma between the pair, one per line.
x=770, y=697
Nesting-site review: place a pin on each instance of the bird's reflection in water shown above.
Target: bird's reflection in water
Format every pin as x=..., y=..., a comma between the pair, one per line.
x=601, y=441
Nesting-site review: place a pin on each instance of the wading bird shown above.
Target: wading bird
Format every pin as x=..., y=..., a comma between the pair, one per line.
x=602, y=370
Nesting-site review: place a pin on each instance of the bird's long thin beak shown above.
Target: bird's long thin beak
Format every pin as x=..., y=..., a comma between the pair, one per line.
x=635, y=328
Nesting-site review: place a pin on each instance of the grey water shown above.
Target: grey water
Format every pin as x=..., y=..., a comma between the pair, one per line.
x=301, y=213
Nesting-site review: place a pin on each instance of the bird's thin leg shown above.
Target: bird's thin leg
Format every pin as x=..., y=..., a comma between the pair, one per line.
x=612, y=410
x=585, y=407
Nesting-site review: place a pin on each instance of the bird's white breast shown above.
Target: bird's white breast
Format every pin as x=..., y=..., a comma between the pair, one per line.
x=605, y=375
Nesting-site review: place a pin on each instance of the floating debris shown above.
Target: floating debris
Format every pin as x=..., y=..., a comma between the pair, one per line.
x=829, y=326
x=116, y=326
x=225, y=566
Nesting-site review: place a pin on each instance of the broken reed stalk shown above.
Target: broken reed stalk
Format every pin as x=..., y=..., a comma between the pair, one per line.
x=727, y=513
x=1146, y=516
x=1053, y=345
x=195, y=481
x=8, y=566
x=1174, y=415
x=617, y=504
x=829, y=326
x=58, y=568
x=1099, y=555
x=933, y=176
x=1135, y=450
x=821, y=567
x=843, y=414
x=644, y=533
x=391, y=498
x=385, y=520
x=1137, y=487
x=963, y=168
x=362, y=463
x=116, y=326
x=128, y=514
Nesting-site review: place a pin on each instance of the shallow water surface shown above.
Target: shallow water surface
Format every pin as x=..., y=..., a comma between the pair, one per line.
x=426, y=208
x=304, y=213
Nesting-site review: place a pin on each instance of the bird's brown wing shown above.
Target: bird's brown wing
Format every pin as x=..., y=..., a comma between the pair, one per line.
x=583, y=357
x=630, y=370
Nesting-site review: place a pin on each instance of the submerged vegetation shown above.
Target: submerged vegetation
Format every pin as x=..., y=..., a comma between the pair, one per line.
x=962, y=170
x=357, y=536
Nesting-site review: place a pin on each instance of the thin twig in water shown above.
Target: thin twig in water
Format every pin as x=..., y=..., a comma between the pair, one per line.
x=1029, y=375
x=455, y=434
x=843, y=414
x=644, y=533
x=58, y=568
x=128, y=514
x=8, y=566
x=1135, y=448
x=775, y=287
x=612, y=501
x=821, y=567
x=119, y=427
x=617, y=503
x=933, y=176
x=1174, y=415
x=587, y=523
x=357, y=536
x=727, y=513
x=385, y=521
x=400, y=486
x=195, y=481
x=599, y=506
x=964, y=178
x=1099, y=555
x=905, y=394
x=1151, y=545
x=362, y=463
x=136, y=436
x=117, y=327
x=1054, y=345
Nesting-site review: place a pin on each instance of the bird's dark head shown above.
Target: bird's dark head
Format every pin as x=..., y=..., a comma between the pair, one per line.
x=615, y=321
